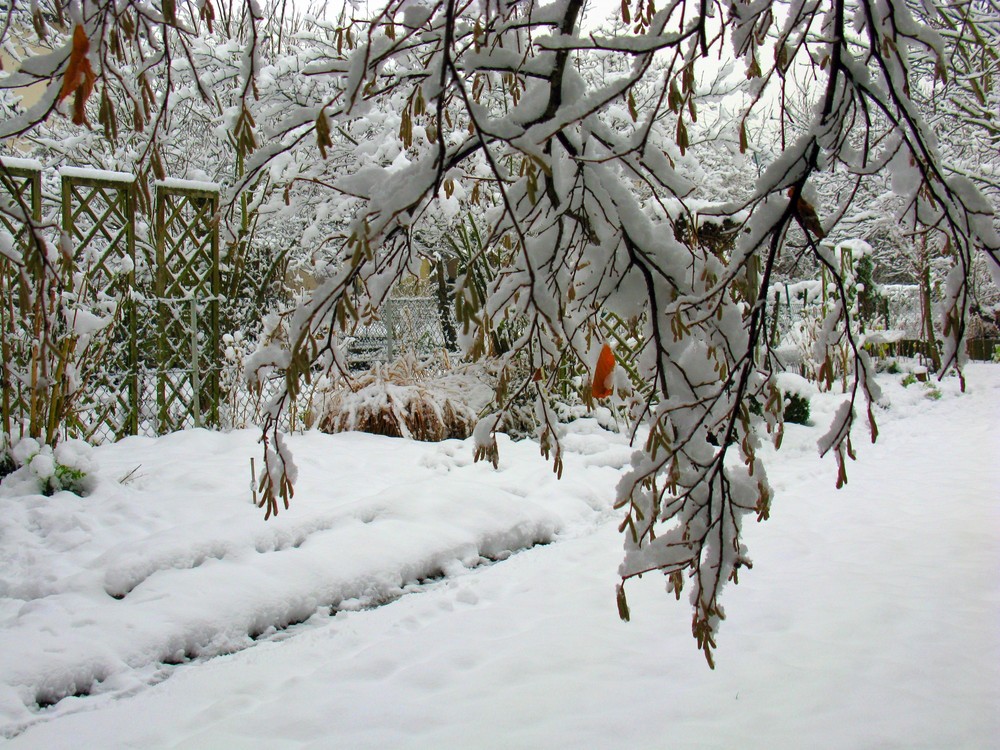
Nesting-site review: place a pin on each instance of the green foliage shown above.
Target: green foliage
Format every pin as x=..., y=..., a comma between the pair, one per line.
x=40, y=468
x=68, y=478
x=871, y=303
x=909, y=379
x=477, y=268
x=7, y=465
x=796, y=408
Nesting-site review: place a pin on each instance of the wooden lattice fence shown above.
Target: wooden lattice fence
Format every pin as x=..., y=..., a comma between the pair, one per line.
x=187, y=287
x=158, y=366
x=98, y=217
x=21, y=184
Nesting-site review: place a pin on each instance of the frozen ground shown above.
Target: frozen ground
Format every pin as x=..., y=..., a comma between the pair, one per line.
x=870, y=619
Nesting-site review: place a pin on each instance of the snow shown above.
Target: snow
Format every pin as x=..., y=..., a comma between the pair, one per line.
x=857, y=247
x=793, y=383
x=14, y=162
x=87, y=173
x=174, y=183
x=868, y=621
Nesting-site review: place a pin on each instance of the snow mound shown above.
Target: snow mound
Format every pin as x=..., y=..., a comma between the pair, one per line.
x=169, y=560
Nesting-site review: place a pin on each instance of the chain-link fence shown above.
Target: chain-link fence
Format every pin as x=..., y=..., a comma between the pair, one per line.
x=407, y=324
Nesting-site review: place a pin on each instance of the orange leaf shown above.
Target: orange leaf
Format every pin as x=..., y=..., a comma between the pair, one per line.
x=79, y=77
x=602, y=374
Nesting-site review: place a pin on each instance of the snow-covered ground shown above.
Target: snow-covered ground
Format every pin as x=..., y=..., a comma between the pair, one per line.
x=870, y=619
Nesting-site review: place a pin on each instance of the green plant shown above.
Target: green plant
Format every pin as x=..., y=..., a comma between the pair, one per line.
x=933, y=392
x=796, y=408
x=893, y=367
x=7, y=465
x=909, y=379
x=68, y=478
x=67, y=467
x=478, y=264
x=996, y=353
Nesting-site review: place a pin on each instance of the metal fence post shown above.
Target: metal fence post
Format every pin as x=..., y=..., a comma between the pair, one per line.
x=195, y=370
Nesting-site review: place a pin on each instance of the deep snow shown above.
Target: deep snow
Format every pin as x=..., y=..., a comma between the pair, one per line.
x=868, y=621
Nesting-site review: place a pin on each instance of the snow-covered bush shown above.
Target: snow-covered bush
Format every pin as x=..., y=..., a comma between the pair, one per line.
x=69, y=466
x=404, y=398
x=796, y=409
x=796, y=392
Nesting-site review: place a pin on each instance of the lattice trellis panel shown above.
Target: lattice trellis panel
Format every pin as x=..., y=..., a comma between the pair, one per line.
x=625, y=338
x=98, y=211
x=22, y=184
x=187, y=286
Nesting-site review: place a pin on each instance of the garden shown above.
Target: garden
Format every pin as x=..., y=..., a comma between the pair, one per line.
x=425, y=374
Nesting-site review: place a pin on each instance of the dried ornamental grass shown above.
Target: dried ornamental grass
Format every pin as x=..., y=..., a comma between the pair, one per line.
x=401, y=399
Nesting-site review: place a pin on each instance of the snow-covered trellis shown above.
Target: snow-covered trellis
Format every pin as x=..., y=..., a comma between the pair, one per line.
x=21, y=182
x=187, y=287
x=98, y=221
x=151, y=317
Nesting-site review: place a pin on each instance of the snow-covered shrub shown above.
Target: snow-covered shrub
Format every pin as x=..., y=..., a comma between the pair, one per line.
x=829, y=316
x=796, y=409
x=796, y=392
x=41, y=468
x=404, y=398
x=980, y=327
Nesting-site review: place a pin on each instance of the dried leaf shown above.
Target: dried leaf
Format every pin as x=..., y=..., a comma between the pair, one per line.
x=682, y=137
x=79, y=77
x=605, y=365
x=38, y=21
x=207, y=14
x=808, y=217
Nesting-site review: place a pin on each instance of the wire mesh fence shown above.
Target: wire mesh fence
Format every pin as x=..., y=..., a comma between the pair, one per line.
x=406, y=324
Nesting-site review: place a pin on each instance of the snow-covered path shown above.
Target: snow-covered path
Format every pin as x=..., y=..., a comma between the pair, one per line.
x=870, y=620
